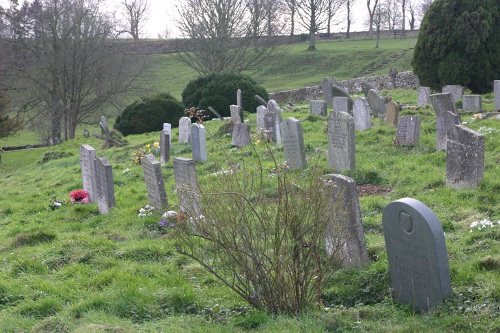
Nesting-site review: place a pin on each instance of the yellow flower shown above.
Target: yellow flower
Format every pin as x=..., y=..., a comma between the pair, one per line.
x=258, y=141
x=156, y=144
x=148, y=145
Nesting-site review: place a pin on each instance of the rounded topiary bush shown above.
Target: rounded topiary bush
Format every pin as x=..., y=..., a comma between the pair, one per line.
x=149, y=113
x=219, y=92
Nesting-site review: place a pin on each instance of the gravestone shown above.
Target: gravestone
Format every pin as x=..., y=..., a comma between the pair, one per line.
x=105, y=187
x=456, y=91
x=366, y=87
x=416, y=252
x=186, y=184
x=86, y=133
x=199, y=142
x=341, y=142
x=444, y=121
x=272, y=131
x=472, y=103
x=361, y=115
x=235, y=114
x=318, y=107
x=496, y=89
x=339, y=91
x=377, y=103
x=340, y=104
x=443, y=102
x=261, y=112
x=392, y=114
x=184, y=130
x=464, y=157
x=215, y=113
x=106, y=135
x=241, y=135
x=408, y=131
x=164, y=146
x=168, y=127
x=367, y=106
x=239, y=99
x=261, y=100
x=87, y=164
x=273, y=107
x=424, y=96
x=154, y=182
x=327, y=91
x=293, y=143
x=393, y=73
x=345, y=230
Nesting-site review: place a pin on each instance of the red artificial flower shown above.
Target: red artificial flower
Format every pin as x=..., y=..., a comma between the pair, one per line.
x=79, y=196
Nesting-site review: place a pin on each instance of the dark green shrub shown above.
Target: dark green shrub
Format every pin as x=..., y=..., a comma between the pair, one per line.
x=219, y=92
x=149, y=113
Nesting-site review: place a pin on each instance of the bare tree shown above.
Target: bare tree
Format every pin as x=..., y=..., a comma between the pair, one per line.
x=313, y=17
x=403, y=18
x=264, y=17
x=136, y=15
x=378, y=20
x=333, y=8
x=412, y=16
x=349, y=5
x=371, y=13
x=68, y=63
x=292, y=7
x=390, y=14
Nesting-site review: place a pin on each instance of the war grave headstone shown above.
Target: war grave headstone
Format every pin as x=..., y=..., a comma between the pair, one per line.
x=340, y=104
x=416, y=252
x=392, y=114
x=464, y=157
x=199, y=142
x=272, y=131
x=496, y=92
x=164, y=146
x=105, y=187
x=341, y=142
x=318, y=107
x=235, y=114
x=87, y=165
x=456, y=91
x=472, y=103
x=377, y=103
x=408, y=131
x=186, y=185
x=168, y=127
x=361, y=115
x=443, y=102
x=345, y=229
x=241, y=135
x=154, y=182
x=327, y=91
x=293, y=143
x=184, y=130
x=261, y=112
x=424, y=96
x=444, y=121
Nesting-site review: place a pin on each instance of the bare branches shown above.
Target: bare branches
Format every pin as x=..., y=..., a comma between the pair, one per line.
x=136, y=15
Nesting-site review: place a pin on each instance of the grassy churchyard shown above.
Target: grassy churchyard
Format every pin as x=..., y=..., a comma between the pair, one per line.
x=67, y=268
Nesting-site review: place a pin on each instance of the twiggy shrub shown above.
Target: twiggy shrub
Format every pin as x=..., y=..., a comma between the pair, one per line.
x=269, y=249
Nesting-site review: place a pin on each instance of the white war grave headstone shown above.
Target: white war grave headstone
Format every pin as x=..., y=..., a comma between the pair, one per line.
x=154, y=182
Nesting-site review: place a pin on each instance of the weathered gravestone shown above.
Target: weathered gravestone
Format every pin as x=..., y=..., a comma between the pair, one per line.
x=361, y=115
x=184, y=130
x=106, y=135
x=293, y=143
x=327, y=91
x=341, y=142
x=168, y=127
x=345, y=230
x=186, y=184
x=239, y=99
x=416, y=252
x=241, y=135
x=105, y=187
x=408, y=131
x=444, y=121
x=393, y=73
x=199, y=143
x=366, y=87
x=215, y=113
x=272, y=107
x=318, y=107
x=271, y=130
x=341, y=104
x=377, y=103
x=164, y=146
x=236, y=113
x=424, y=96
x=464, y=157
x=154, y=182
x=456, y=91
x=496, y=89
x=392, y=114
x=443, y=103
x=261, y=112
x=87, y=164
x=339, y=91
x=472, y=103
x=261, y=100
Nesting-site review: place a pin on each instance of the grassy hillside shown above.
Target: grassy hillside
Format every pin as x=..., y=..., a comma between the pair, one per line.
x=69, y=269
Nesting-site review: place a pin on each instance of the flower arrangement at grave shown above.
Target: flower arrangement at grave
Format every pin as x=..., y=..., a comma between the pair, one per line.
x=79, y=196
x=170, y=220
x=143, y=151
x=196, y=113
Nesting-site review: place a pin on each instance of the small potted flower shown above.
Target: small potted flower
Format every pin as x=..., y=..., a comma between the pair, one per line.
x=79, y=196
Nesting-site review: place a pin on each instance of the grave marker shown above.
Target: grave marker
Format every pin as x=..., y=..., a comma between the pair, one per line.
x=456, y=92
x=239, y=99
x=377, y=103
x=87, y=164
x=236, y=117
x=424, y=96
x=184, y=130
x=408, y=131
x=164, y=146
x=444, y=121
x=442, y=103
x=199, y=142
x=272, y=131
x=327, y=91
x=154, y=182
x=168, y=127
x=188, y=195
x=341, y=142
x=340, y=104
x=261, y=100
x=496, y=88
x=391, y=114
x=318, y=107
x=105, y=187
x=241, y=135
x=472, y=103
x=416, y=252
x=273, y=107
x=261, y=112
x=361, y=115
x=293, y=143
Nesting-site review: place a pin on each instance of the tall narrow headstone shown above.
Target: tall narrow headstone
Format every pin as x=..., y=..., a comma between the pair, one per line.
x=185, y=130
x=377, y=103
x=168, y=127
x=273, y=107
x=239, y=99
x=424, y=96
x=341, y=142
x=188, y=194
x=261, y=100
x=327, y=91
x=464, y=157
x=199, y=143
x=416, y=252
x=235, y=114
x=408, y=131
x=241, y=135
x=341, y=104
x=105, y=187
x=496, y=87
x=444, y=121
x=87, y=164
x=472, y=103
x=392, y=114
x=318, y=107
x=345, y=230
x=293, y=143
x=361, y=115
x=164, y=146
x=442, y=103
x=272, y=131
x=455, y=90
x=261, y=112
x=365, y=88
x=154, y=182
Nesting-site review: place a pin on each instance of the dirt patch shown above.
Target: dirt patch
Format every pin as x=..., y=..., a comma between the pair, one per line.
x=370, y=189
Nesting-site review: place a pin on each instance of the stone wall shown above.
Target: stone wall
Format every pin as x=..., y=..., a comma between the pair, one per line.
x=404, y=80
